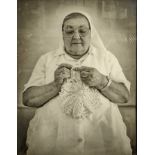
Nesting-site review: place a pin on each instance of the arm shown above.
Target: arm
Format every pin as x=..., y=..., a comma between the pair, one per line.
x=37, y=96
x=116, y=92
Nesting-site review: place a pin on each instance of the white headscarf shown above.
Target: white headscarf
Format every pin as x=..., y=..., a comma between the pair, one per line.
x=96, y=40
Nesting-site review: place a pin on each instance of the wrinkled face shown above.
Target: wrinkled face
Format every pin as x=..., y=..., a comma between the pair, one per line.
x=76, y=36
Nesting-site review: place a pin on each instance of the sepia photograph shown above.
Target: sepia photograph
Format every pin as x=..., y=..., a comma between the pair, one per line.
x=76, y=77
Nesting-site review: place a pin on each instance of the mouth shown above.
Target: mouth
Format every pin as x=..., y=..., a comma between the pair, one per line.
x=76, y=43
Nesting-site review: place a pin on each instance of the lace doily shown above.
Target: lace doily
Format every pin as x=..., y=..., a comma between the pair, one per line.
x=77, y=99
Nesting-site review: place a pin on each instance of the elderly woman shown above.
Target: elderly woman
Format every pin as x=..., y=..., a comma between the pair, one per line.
x=77, y=88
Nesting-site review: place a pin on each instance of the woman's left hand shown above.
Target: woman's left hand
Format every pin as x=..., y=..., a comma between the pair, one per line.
x=92, y=77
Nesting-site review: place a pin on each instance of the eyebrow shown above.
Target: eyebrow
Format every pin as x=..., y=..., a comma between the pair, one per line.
x=71, y=26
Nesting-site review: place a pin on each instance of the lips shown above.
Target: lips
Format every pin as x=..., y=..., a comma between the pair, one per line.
x=76, y=43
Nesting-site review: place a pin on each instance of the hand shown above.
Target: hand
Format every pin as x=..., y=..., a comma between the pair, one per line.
x=61, y=73
x=92, y=77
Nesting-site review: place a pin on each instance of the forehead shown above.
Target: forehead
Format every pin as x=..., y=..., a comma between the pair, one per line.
x=76, y=22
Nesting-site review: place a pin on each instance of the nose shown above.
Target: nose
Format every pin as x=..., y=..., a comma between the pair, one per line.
x=76, y=35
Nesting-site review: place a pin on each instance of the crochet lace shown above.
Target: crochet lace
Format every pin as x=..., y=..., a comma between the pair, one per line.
x=77, y=99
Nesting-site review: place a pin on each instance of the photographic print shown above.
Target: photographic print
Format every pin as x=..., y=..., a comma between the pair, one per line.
x=76, y=77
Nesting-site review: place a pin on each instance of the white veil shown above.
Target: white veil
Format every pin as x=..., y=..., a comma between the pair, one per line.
x=96, y=40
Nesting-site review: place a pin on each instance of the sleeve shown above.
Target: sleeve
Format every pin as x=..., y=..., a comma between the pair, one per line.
x=116, y=72
x=38, y=74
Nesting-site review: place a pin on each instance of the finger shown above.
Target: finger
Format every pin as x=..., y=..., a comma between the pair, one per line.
x=62, y=77
x=63, y=70
x=60, y=70
x=65, y=65
x=88, y=78
x=76, y=68
x=67, y=73
x=85, y=80
x=84, y=74
x=83, y=68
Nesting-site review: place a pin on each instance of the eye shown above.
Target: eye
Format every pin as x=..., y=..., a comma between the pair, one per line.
x=69, y=31
x=82, y=31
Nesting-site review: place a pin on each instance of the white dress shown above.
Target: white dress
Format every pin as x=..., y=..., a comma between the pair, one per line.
x=79, y=121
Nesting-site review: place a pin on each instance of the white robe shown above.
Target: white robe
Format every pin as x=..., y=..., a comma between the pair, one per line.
x=81, y=123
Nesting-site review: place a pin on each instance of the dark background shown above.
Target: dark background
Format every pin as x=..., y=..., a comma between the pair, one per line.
x=38, y=33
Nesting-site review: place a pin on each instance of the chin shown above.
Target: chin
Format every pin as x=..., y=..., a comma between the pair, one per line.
x=77, y=48
x=78, y=52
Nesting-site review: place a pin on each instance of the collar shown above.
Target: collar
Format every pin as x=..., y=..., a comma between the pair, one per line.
x=61, y=51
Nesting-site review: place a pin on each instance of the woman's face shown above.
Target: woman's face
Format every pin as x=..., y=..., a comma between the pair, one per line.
x=76, y=36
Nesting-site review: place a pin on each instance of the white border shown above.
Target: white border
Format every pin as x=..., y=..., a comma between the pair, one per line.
x=8, y=78
x=145, y=74
x=146, y=77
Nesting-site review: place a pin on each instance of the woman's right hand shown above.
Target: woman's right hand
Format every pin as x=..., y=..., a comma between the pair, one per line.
x=61, y=73
x=37, y=96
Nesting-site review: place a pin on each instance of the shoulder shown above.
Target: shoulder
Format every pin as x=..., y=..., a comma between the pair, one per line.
x=111, y=57
x=48, y=56
x=104, y=55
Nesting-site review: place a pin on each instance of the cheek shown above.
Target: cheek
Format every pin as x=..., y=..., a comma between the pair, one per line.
x=67, y=42
x=87, y=40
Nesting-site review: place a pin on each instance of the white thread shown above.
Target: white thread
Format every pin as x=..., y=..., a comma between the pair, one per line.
x=77, y=99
